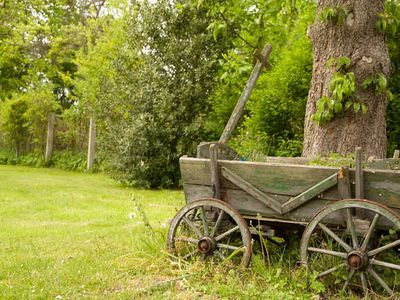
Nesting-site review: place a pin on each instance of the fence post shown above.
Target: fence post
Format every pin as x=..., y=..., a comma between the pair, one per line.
x=50, y=136
x=91, y=144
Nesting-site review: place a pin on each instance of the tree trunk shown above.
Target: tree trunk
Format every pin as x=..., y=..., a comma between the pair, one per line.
x=357, y=39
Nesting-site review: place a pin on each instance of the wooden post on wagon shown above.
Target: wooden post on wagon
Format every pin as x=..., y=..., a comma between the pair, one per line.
x=91, y=144
x=244, y=97
x=359, y=180
x=50, y=136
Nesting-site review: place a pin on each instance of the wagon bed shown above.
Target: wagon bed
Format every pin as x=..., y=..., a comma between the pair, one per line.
x=249, y=186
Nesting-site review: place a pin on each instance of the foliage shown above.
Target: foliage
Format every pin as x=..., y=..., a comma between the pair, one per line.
x=165, y=77
x=273, y=122
x=335, y=14
x=14, y=123
x=378, y=82
x=341, y=93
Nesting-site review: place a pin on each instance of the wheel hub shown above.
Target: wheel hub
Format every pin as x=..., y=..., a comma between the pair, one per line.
x=357, y=260
x=206, y=245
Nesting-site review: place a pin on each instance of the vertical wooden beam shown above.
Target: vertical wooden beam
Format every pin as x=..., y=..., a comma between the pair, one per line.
x=396, y=154
x=216, y=190
x=91, y=144
x=50, y=136
x=359, y=180
x=344, y=187
x=238, y=111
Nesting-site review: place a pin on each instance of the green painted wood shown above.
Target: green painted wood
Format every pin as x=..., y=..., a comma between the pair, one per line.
x=310, y=193
x=271, y=178
x=382, y=186
x=252, y=190
x=244, y=97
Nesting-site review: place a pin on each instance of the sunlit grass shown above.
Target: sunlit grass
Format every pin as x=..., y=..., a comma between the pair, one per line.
x=67, y=235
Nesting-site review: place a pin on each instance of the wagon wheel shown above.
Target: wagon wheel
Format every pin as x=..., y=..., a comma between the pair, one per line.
x=362, y=255
x=210, y=228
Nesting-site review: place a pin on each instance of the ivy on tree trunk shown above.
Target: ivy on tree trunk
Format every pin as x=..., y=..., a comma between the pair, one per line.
x=348, y=29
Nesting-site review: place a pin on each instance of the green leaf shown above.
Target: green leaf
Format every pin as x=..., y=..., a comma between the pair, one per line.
x=348, y=105
x=356, y=107
x=363, y=109
x=338, y=107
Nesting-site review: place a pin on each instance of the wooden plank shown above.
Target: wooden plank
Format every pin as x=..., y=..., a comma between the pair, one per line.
x=271, y=178
x=359, y=181
x=214, y=171
x=238, y=110
x=50, y=136
x=310, y=193
x=344, y=187
x=382, y=186
x=383, y=164
x=359, y=174
x=91, y=144
x=252, y=190
x=246, y=204
x=396, y=154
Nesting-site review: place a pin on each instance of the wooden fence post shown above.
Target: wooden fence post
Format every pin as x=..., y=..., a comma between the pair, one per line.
x=91, y=144
x=50, y=136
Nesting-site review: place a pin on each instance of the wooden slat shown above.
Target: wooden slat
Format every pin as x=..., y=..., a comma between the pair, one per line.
x=271, y=178
x=310, y=193
x=344, y=187
x=214, y=172
x=252, y=190
x=238, y=110
x=382, y=186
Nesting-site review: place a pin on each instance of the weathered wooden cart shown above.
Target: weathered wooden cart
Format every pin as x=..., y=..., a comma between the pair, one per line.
x=350, y=217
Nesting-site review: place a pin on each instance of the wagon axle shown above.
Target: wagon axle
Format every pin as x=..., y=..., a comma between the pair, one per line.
x=357, y=259
x=207, y=245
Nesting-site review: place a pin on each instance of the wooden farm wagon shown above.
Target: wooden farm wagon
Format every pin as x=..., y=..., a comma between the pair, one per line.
x=350, y=217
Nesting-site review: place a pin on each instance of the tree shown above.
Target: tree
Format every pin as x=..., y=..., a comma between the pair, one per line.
x=347, y=100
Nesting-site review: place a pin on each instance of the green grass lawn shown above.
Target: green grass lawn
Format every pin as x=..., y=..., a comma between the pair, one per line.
x=66, y=235
x=70, y=235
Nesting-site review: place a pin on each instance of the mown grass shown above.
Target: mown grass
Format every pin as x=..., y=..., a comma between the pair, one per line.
x=67, y=235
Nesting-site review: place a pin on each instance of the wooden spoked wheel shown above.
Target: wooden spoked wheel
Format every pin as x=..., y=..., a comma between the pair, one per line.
x=362, y=255
x=210, y=229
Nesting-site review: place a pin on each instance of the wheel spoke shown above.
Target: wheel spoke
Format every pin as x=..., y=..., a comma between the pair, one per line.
x=335, y=237
x=380, y=281
x=219, y=245
x=221, y=256
x=383, y=248
x=221, y=236
x=190, y=254
x=384, y=264
x=186, y=239
x=370, y=231
x=217, y=223
x=204, y=220
x=351, y=274
x=350, y=226
x=328, y=252
x=193, y=226
x=364, y=283
x=331, y=270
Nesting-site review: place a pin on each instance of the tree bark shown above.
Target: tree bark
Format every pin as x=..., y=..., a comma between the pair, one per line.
x=357, y=39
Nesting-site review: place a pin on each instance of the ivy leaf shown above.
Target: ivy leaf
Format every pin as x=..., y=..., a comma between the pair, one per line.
x=356, y=107
x=363, y=109
x=348, y=105
x=338, y=107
